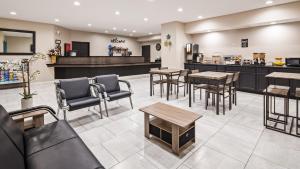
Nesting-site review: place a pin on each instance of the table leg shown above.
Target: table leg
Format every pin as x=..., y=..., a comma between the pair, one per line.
x=230, y=103
x=168, y=86
x=218, y=99
x=151, y=84
x=146, y=123
x=175, y=139
x=190, y=93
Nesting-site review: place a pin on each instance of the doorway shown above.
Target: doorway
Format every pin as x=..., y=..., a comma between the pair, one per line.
x=81, y=48
x=146, y=52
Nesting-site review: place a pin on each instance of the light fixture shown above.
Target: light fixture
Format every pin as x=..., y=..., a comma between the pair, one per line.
x=76, y=3
x=269, y=2
x=56, y=20
x=151, y=0
x=114, y=28
x=273, y=23
x=179, y=9
x=134, y=31
x=117, y=12
x=150, y=33
x=208, y=30
x=89, y=25
x=146, y=19
x=125, y=30
x=200, y=17
x=13, y=13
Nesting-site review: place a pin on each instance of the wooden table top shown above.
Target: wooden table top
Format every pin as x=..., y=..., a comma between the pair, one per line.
x=165, y=71
x=31, y=114
x=174, y=115
x=210, y=75
x=284, y=75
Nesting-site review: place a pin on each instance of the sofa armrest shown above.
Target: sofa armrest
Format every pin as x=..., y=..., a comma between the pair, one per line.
x=127, y=83
x=33, y=109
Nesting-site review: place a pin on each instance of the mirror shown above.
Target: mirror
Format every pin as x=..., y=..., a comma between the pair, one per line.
x=17, y=42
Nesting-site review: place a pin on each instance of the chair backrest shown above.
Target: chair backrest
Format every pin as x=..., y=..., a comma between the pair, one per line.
x=229, y=79
x=12, y=145
x=184, y=72
x=75, y=88
x=236, y=76
x=162, y=68
x=111, y=82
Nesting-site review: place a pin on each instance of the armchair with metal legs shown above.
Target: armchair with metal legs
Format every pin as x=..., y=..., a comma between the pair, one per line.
x=74, y=94
x=109, y=89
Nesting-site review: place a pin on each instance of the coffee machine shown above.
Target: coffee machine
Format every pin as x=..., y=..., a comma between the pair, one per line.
x=192, y=53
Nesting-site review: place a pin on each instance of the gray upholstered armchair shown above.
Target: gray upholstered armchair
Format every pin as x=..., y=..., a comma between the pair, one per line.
x=109, y=89
x=74, y=94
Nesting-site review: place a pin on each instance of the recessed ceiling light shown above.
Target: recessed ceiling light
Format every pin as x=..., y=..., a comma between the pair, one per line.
x=151, y=0
x=150, y=33
x=268, y=2
x=114, y=28
x=179, y=9
x=208, y=31
x=124, y=30
x=13, y=13
x=89, y=25
x=56, y=20
x=106, y=31
x=76, y=3
x=134, y=31
x=273, y=23
x=146, y=19
x=117, y=12
x=200, y=17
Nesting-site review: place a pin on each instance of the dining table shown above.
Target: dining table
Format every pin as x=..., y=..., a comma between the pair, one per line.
x=163, y=72
x=209, y=76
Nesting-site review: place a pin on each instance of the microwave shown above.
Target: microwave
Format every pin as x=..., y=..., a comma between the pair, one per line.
x=295, y=62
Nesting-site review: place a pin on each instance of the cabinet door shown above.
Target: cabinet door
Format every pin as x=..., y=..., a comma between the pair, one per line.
x=261, y=82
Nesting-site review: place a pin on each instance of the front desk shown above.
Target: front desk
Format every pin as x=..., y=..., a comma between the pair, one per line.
x=252, y=77
x=72, y=67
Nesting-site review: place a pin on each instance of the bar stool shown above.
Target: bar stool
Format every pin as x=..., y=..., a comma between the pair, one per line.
x=270, y=94
x=297, y=95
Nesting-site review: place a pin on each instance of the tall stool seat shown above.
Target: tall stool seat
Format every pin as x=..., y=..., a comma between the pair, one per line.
x=270, y=114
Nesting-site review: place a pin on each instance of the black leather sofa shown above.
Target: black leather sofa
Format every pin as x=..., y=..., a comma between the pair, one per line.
x=52, y=146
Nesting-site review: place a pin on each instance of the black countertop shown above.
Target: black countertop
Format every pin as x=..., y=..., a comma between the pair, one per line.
x=102, y=65
x=251, y=65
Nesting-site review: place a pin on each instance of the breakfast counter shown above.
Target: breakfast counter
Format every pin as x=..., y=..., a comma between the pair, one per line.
x=252, y=77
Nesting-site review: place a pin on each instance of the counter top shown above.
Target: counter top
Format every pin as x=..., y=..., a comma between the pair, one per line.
x=252, y=65
x=101, y=65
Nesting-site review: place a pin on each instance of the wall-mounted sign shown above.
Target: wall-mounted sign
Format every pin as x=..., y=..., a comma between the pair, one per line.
x=116, y=40
x=244, y=43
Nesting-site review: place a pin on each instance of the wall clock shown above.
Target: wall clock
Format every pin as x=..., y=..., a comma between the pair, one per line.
x=158, y=46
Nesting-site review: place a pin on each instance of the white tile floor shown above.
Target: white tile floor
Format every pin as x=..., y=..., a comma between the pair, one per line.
x=235, y=141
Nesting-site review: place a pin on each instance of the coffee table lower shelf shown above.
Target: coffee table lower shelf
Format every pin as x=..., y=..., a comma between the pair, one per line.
x=174, y=136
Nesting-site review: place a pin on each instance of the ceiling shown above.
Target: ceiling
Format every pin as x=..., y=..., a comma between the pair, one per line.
x=101, y=13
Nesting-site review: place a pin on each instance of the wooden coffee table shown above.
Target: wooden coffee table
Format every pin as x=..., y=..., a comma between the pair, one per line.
x=36, y=121
x=171, y=125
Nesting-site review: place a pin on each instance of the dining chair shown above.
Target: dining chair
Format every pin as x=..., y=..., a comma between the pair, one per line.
x=180, y=79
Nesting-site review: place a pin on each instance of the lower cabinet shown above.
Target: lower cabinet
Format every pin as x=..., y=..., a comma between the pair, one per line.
x=163, y=131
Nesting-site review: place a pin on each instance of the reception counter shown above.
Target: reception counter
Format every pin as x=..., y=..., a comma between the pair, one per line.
x=72, y=67
x=252, y=77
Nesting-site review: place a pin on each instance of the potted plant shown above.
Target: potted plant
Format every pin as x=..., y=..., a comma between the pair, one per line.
x=27, y=78
x=53, y=53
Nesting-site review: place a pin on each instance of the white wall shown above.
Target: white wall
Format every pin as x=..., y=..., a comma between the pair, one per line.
x=1, y=41
x=44, y=41
x=275, y=40
x=154, y=53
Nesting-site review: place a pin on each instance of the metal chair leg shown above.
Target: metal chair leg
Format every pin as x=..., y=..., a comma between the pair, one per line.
x=131, y=102
x=105, y=105
x=65, y=114
x=100, y=110
x=193, y=93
